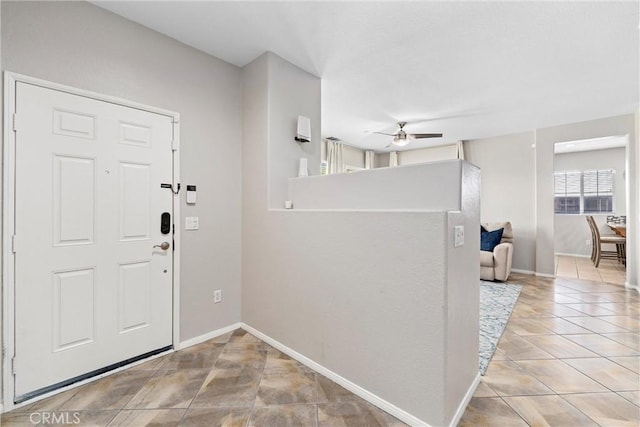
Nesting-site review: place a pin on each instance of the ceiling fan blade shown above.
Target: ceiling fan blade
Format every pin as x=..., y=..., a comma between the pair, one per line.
x=426, y=135
x=382, y=133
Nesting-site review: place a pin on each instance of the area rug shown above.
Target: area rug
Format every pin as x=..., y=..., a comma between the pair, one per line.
x=496, y=304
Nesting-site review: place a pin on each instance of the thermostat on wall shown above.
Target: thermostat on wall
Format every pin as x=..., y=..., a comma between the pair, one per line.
x=191, y=194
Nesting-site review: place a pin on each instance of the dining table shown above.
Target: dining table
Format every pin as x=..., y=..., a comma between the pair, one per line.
x=619, y=229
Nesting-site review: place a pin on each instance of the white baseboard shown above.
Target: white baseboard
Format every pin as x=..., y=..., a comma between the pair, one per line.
x=354, y=388
x=467, y=398
x=550, y=276
x=205, y=337
x=573, y=255
x=528, y=272
x=631, y=286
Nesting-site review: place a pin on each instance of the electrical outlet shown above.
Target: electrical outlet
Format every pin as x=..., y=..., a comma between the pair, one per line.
x=217, y=296
x=587, y=242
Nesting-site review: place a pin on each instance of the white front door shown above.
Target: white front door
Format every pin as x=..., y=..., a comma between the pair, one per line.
x=91, y=287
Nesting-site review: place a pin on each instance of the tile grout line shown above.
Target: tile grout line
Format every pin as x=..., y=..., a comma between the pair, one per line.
x=598, y=355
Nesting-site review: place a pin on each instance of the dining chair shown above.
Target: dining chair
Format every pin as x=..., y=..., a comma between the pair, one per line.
x=597, y=252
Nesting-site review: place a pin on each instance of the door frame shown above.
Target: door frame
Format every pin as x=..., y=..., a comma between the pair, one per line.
x=8, y=220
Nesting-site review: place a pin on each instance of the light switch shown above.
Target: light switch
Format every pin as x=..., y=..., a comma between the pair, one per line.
x=191, y=222
x=458, y=236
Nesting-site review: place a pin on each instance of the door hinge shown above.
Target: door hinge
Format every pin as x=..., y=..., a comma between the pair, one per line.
x=13, y=365
x=14, y=122
x=13, y=244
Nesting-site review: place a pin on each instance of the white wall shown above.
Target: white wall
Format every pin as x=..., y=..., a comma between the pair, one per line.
x=387, y=188
x=429, y=154
x=81, y=45
x=571, y=232
x=337, y=287
x=1, y=236
x=381, y=160
x=507, y=166
x=633, y=157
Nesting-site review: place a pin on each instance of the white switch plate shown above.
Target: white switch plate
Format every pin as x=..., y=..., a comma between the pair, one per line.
x=458, y=236
x=191, y=222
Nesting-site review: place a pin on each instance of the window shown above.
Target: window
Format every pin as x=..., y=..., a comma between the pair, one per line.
x=584, y=191
x=598, y=191
x=567, y=192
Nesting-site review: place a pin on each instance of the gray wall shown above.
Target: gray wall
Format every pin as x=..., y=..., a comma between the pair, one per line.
x=571, y=232
x=329, y=284
x=81, y=45
x=507, y=166
x=285, y=105
x=517, y=181
x=545, y=140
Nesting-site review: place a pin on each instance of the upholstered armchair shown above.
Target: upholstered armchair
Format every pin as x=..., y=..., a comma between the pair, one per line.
x=496, y=264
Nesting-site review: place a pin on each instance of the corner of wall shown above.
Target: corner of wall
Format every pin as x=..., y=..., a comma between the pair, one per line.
x=284, y=152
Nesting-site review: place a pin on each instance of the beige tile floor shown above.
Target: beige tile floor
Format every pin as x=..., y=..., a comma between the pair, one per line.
x=608, y=271
x=569, y=356
x=232, y=380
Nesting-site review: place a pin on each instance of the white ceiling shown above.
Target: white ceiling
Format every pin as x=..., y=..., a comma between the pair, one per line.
x=466, y=69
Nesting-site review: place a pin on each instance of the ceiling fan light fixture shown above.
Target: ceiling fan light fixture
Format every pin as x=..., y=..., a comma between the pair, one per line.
x=401, y=140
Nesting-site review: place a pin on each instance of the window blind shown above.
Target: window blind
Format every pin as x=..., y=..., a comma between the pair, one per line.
x=567, y=183
x=598, y=182
x=588, y=191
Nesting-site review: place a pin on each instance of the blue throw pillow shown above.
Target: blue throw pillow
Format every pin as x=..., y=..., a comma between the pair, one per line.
x=490, y=239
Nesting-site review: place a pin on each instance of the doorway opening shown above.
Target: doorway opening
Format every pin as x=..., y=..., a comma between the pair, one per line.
x=590, y=181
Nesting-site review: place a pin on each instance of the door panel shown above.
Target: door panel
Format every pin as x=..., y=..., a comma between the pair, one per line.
x=73, y=200
x=134, y=296
x=90, y=288
x=134, y=201
x=74, y=124
x=73, y=308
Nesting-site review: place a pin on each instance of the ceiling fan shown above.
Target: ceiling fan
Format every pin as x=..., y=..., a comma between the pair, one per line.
x=402, y=138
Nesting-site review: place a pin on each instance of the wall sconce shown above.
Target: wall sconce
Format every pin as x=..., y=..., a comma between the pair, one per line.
x=303, y=133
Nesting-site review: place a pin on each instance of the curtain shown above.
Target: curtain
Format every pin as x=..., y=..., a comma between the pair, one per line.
x=460, y=150
x=393, y=159
x=369, y=159
x=335, y=160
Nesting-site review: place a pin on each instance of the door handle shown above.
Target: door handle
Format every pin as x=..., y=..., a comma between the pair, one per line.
x=164, y=246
